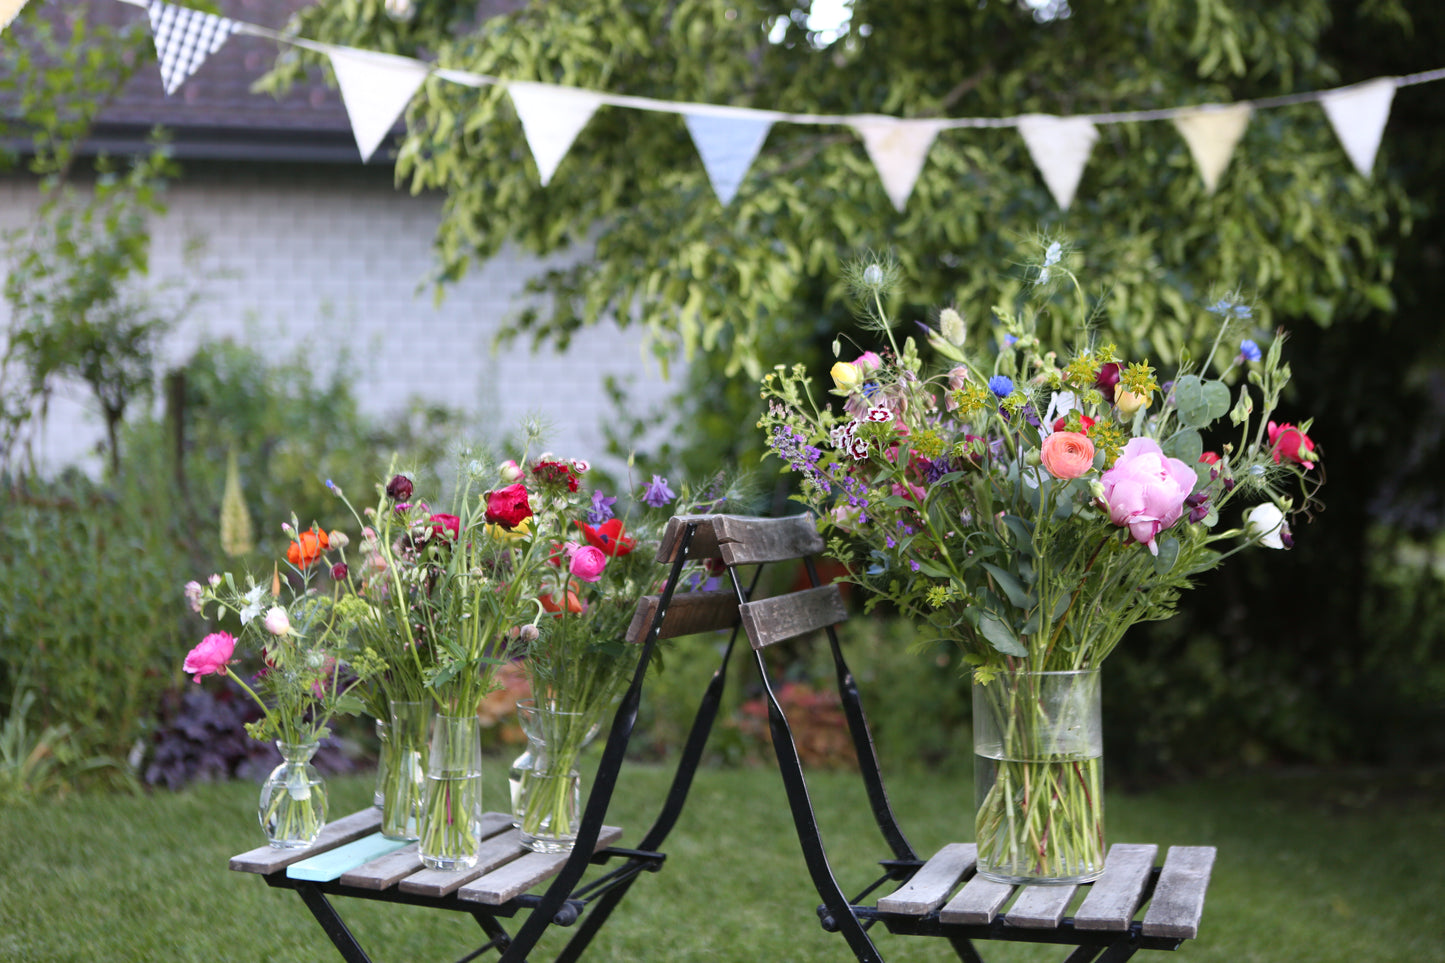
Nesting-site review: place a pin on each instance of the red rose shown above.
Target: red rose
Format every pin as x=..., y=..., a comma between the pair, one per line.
x=444, y=524
x=508, y=507
x=1291, y=444
x=608, y=537
x=1085, y=423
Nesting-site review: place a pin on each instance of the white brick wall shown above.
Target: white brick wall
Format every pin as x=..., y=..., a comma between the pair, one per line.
x=325, y=258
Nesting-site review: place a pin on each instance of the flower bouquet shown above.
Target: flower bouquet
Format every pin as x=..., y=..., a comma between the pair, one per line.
x=308, y=674
x=1030, y=503
x=575, y=656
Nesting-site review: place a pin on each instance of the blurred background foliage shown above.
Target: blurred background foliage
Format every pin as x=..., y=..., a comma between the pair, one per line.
x=1327, y=654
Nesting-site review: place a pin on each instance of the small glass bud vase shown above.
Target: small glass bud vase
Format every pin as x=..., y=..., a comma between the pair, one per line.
x=292, y=808
x=1039, y=777
x=546, y=786
x=450, y=827
x=383, y=740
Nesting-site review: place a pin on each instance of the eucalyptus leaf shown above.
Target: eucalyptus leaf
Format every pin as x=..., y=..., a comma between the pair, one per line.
x=1010, y=585
x=1168, y=554
x=1200, y=402
x=1023, y=531
x=1186, y=445
x=1000, y=636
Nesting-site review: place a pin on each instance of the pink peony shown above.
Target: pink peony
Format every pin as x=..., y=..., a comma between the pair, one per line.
x=587, y=563
x=1146, y=490
x=1067, y=454
x=211, y=656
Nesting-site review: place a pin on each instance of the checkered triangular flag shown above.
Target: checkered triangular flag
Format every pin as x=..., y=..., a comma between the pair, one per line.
x=184, y=39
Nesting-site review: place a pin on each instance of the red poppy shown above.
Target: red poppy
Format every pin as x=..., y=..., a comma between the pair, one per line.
x=549, y=604
x=609, y=537
x=508, y=507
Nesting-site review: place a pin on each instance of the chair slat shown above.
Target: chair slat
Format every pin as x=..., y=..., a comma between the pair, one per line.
x=331, y=864
x=756, y=541
x=704, y=540
x=689, y=612
x=520, y=875
x=502, y=845
x=789, y=616
x=935, y=879
x=1040, y=907
x=385, y=872
x=266, y=860
x=1115, y=897
x=977, y=903
x=1178, y=901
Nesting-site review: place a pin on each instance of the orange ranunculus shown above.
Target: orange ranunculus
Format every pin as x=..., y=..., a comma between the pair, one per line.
x=573, y=602
x=307, y=547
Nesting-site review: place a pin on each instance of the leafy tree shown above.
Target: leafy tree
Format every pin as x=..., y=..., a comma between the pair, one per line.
x=735, y=290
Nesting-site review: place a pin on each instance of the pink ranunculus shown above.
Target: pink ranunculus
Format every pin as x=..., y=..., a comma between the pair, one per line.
x=1146, y=490
x=1291, y=444
x=1067, y=454
x=587, y=564
x=211, y=656
x=868, y=362
x=277, y=621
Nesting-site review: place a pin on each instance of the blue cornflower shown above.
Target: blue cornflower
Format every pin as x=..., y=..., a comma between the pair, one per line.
x=601, y=509
x=656, y=493
x=1249, y=351
x=1227, y=307
x=1009, y=340
x=1001, y=385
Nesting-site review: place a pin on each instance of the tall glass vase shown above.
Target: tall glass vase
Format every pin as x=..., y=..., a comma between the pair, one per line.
x=546, y=785
x=450, y=827
x=383, y=759
x=1039, y=777
x=292, y=808
x=400, y=772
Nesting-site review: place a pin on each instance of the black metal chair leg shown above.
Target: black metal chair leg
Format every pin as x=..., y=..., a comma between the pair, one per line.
x=965, y=949
x=331, y=922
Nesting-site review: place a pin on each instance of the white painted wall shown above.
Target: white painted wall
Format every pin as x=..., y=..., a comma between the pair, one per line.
x=325, y=258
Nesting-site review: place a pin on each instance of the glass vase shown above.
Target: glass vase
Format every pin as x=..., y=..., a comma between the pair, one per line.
x=382, y=760
x=450, y=827
x=400, y=774
x=546, y=785
x=1039, y=777
x=292, y=808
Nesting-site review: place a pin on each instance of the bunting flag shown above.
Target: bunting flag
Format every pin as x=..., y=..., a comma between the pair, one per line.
x=727, y=144
x=1212, y=131
x=898, y=149
x=375, y=88
x=184, y=39
x=1060, y=148
x=9, y=10
x=552, y=117
x=1358, y=115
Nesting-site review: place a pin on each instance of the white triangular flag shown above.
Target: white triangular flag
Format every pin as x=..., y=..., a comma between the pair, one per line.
x=552, y=117
x=898, y=149
x=375, y=88
x=1212, y=131
x=1358, y=115
x=1060, y=148
x=184, y=39
x=727, y=146
x=9, y=10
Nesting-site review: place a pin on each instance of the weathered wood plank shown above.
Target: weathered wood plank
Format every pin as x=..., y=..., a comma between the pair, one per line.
x=385, y=872
x=704, y=540
x=520, y=875
x=755, y=541
x=1040, y=907
x=334, y=862
x=977, y=903
x=688, y=613
x=1115, y=897
x=266, y=860
x=497, y=851
x=789, y=616
x=935, y=879
x=1178, y=901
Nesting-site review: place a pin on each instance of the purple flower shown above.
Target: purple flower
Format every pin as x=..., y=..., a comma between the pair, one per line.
x=1249, y=351
x=656, y=493
x=1001, y=385
x=601, y=509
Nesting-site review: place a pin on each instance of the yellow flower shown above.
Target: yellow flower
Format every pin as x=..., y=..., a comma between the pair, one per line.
x=846, y=376
x=1127, y=402
x=521, y=530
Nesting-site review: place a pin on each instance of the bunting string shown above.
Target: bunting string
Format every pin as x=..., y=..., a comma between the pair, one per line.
x=376, y=88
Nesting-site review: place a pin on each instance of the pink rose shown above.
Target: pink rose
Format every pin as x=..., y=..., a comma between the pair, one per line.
x=587, y=563
x=1291, y=444
x=211, y=656
x=277, y=622
x=1067, y=454
x=1146, y=490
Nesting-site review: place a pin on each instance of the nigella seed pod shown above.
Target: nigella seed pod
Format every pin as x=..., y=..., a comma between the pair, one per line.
x=399, y=488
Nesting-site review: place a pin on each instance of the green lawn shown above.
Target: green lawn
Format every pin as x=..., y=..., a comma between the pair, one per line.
x=1319, y=867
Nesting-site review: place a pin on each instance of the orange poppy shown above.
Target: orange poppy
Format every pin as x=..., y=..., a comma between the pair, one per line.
x=307, y=547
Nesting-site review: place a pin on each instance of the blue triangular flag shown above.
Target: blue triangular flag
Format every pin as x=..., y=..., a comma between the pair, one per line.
x=727, y=146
